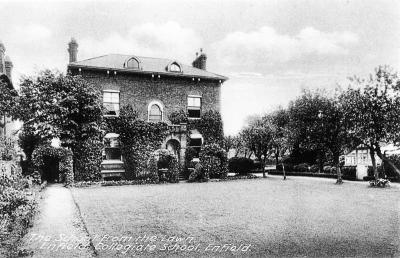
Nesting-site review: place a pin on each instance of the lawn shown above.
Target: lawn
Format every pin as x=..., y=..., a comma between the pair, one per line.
x=245, y=218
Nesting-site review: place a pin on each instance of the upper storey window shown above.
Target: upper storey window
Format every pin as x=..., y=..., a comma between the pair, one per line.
x=155, y=112
x=194, y=106
x=132, y=63
x=111, y=102
x=174, y=67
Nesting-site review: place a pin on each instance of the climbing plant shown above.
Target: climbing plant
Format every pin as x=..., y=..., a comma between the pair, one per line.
x=65, y=160
x=161, y=159
x=138, y=139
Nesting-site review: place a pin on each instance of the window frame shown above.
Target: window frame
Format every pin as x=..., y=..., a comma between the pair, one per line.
x=199, y=108
x=112, y=103
x=160, y=106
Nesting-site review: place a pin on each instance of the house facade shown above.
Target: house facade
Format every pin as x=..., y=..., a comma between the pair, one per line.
x=155, y=87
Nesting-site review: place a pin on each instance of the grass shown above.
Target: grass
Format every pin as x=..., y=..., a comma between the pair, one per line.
x=294, y=218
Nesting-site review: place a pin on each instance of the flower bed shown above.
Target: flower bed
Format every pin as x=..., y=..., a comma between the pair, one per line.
x=18, y=201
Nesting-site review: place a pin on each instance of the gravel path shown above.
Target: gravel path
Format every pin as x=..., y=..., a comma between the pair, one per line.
x=58, y=230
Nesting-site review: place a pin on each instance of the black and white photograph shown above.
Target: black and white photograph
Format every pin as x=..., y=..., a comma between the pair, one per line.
x=199, y=128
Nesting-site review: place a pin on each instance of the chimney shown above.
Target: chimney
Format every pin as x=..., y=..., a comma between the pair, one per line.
x=8, y=67
x=200, y=61
x=2, y=61
x=73, y=50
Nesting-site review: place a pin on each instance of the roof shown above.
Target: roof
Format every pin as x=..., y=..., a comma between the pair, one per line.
x=148, y=65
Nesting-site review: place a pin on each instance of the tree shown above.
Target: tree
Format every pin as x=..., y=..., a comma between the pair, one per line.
x=281, y=135
x=257, y=138
x=373, y=107
x=305, y=123
x=336, y=127
x=58, y=106
x=53, y=105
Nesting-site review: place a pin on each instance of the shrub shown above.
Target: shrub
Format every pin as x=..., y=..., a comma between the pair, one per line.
x=349, y=171
x=240, y=165
x=314, y=168
x=88, y=158
x=288, y=167
x=257, y=166
x=198, y=174
x=301, y=167
x=178, y=117
x=214, y=161
x=163, y=159
x=327, y=169
x=7, y=149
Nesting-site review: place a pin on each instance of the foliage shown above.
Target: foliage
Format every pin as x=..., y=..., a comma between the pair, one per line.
x=288, y=167
x=257, y=137
x=64, y=156
x=58, y=106
x=214, y=161
x=199, y=174
x=240, y=165
x=375, y=104
x=210, y=126
x=178, y=117
x=349, y=171
x=321, y=123
x=88, y=158
x=28, y=140
x=163, y=159
x=138, y=139
x=304, y=167
x=7, y=149
x=7, y=96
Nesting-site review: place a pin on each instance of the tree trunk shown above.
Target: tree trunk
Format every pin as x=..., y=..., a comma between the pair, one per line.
x=284, y=174
x=388, y=162
x=321, y=163
x=338, y=172
x=263, y=163
x=277, y=158
x=372, y=153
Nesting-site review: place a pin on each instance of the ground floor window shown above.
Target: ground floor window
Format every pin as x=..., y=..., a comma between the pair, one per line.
x=112, y=149
x=195, y=143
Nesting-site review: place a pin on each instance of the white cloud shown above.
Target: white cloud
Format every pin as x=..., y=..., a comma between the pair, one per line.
x=32, y=33
x=169, y=40
x=268, y=46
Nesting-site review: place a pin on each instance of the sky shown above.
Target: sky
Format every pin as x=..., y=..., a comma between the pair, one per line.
x=270, y=50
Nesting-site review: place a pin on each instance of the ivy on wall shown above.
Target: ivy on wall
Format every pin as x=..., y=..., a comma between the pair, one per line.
x=88, y=158
x=161, y=159
x=138, y=139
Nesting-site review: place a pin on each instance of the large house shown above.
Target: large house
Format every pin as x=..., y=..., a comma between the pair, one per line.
x=155, y=87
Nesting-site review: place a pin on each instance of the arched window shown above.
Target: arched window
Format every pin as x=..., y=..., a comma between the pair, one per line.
x=174, y=67
x=155, y=113
x=132, y=63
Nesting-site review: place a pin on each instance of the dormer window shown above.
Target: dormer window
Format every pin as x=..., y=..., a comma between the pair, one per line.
x=174, y=67
x=132, y=63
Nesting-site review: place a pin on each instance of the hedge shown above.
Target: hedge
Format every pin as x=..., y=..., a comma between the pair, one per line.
x=240, y=165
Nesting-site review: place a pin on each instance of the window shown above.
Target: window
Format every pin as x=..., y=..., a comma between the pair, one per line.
x=111, y=147
x=174, y=68
x=155, y=113
x=111, y=102
x=194, y=106
x=195, y=143
x=132, y=63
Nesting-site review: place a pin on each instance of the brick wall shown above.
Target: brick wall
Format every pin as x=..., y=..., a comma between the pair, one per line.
x=139, y=90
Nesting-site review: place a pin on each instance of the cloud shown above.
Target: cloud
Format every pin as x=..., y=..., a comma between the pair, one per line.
x=169, y=40
x=267, y=46
x=32, y=33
